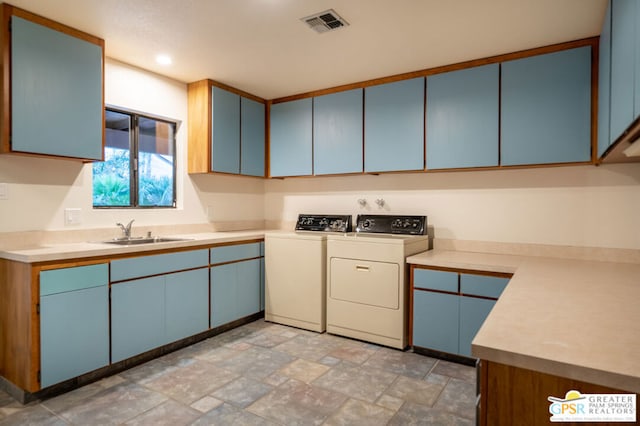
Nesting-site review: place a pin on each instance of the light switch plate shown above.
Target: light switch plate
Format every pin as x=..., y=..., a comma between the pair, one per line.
x=4, y=191
x=72, y=216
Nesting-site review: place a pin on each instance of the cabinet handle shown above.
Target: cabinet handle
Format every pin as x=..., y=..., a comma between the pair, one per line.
x=362, y=268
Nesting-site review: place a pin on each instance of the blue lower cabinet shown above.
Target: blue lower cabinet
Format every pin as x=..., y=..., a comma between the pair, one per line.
x=473, y=312
x=235, y=291
x=187, y=304
x=223, y=294
x=450, y=307
x=151, y=312
x=435, y=320
x=248, y=288
x=137, y=317
x=74, y=322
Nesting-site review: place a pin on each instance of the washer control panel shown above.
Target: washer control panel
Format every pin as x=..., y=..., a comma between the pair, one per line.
x=324, y=223
x=392, y=224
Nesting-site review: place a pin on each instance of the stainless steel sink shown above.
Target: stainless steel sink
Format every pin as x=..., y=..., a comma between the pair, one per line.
x=143, y=240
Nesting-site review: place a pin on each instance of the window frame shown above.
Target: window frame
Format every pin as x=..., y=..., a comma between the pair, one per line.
x=134, y=155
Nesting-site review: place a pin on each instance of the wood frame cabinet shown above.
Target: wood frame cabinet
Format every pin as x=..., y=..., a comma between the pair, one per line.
x=511, y=394
x=167, y=290
x=223, y=135
x=448, y=307
x=236, y=282
x=399, y=142
x=70, y=64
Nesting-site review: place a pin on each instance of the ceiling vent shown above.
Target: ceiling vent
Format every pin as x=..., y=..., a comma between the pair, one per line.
x=325, y=21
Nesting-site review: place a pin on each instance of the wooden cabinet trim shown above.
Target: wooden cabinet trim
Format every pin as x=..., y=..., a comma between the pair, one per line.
x=509, y=393
x=19, y=324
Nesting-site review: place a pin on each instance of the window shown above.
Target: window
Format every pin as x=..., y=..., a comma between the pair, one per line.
x=139, y=168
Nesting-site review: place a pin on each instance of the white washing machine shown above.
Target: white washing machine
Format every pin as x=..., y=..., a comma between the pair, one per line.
x=367, y=278
x=295, y=271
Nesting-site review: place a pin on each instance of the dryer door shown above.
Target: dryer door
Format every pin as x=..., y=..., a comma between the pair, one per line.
x=365, y=282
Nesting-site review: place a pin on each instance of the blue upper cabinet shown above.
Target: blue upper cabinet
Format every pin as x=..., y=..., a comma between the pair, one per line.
x=337, y=133
x=623, y=28
x=56, y=90
x=237, y=134
x=394, y=126
x=604, y=85
x=252, y=137
x=291, y=138
x=225, y=131
x=462, y=118
x=546, y=108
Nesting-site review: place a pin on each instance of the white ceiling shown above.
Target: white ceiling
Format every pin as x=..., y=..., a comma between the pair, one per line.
x=262, y=47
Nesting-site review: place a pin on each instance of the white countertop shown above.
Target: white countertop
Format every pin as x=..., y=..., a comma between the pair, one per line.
x=53, y=252
x=571, y=318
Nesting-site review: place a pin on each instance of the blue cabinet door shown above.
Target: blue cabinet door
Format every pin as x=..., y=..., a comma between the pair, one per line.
x=56, y=92
x=225, y=131
x=473, y=312
x=248, y=288
x=223, y=294
x=394, y=126
x=546, y=108
x=623, y=18
x=74, y=322
x=462, y=118
x=435, y=280
x=187, y=304
x=252, y=138
x=291, y=138
x=604, y=85
x=482, y=285
x=137, y=317
x=337, y=133
x=435, y=321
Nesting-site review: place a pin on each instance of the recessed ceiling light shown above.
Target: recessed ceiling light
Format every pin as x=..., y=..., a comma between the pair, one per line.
x=163, y=59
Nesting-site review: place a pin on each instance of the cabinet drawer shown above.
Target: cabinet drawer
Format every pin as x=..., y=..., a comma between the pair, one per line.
x=482, y=285
x=70, y=279
x=435, y=280
x=235, y=252
x=134, y=267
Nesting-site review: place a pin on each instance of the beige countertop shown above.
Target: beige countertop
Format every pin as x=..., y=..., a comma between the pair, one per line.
x=53, y=252
x=571, y=318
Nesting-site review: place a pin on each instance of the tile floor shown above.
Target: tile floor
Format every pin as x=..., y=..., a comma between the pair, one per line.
x=267, y=374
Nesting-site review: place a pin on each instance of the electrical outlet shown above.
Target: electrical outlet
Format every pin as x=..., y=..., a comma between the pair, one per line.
x=72, y=216
x=4, y=191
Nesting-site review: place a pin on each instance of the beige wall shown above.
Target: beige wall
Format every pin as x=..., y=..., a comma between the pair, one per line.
x=574, y=206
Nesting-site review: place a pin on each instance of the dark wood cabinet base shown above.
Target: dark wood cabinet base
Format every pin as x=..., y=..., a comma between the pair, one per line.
x=511, y=395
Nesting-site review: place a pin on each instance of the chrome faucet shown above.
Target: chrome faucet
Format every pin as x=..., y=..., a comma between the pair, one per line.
x=126, y=230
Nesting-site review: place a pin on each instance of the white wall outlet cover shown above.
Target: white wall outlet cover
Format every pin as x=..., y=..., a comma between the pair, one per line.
x=4, y=191
x=73, y=216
